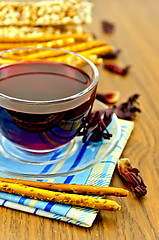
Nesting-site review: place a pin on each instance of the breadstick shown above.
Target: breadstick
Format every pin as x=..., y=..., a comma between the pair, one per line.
x=26, y=39
x=78, y=62
x=85, y=45
x=94, y=51
x=97, y=61
x=98, y=51
x=6, y=61
x=66, y=198
x=54, y=43
x=88, y=54
x=6, y=45
x=46, y=37
x=73, y=48
x=34, y=53
x=72, y=60
x=74, y=188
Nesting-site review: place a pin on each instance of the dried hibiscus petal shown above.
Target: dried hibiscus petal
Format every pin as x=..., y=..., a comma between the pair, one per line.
x=131, y=175
x=112, y=54
x=111, y=67
x=95, y=126
x=107, y=26
x=128, y=109
x=109, y=98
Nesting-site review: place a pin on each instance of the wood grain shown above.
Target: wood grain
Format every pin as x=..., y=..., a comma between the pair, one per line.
x=137, y=34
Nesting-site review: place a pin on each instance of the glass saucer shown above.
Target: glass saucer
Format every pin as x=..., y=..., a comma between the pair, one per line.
x=79, y=156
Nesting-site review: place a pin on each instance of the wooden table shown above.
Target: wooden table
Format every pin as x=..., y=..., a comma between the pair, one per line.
x=137, y=34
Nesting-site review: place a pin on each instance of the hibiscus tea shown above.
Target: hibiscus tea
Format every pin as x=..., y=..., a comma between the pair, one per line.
x=43, y=81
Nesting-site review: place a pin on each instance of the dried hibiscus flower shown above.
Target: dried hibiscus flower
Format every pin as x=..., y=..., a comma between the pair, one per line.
x=107, y=26
x=112, y=54
x=111, y=67
x=131, y=175
x=95, y=126
x=109, y=98
x=128, y=109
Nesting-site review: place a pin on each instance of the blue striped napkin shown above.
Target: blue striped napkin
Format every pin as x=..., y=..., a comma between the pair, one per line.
x=100, y=174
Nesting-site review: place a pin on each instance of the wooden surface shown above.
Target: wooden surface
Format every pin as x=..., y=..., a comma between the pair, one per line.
x=137, y=34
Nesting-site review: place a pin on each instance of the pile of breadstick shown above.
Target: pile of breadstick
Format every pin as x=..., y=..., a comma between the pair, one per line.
x=52, y=24
x=58, y=192
x=78, y=43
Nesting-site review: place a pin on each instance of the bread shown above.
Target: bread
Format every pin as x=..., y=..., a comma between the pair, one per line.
x=45, y=13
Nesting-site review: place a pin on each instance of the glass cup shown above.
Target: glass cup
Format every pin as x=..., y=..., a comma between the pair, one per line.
x=45, y=94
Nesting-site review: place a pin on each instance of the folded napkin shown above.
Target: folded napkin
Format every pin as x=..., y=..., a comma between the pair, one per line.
x=100, y=174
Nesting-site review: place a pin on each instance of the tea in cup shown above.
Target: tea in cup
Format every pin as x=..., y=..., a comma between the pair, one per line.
x=43, y=102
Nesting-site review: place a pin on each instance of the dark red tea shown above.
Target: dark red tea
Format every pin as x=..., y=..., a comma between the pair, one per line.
x=42, y=81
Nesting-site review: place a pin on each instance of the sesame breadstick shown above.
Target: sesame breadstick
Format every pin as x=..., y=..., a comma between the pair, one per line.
x=54, y=43
x=46, y=37
x=97, y=50
x=19, y=55
x=85, y=46
x=65, y=198
x=74, y=188
x=57, y=43
x=5, y=45
x=7, y=61
x=76, y=61
x=50, y=53
x=80, y=62
x=90, y=52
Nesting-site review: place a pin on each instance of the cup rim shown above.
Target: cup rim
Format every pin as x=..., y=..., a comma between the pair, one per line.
x=56, y=101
